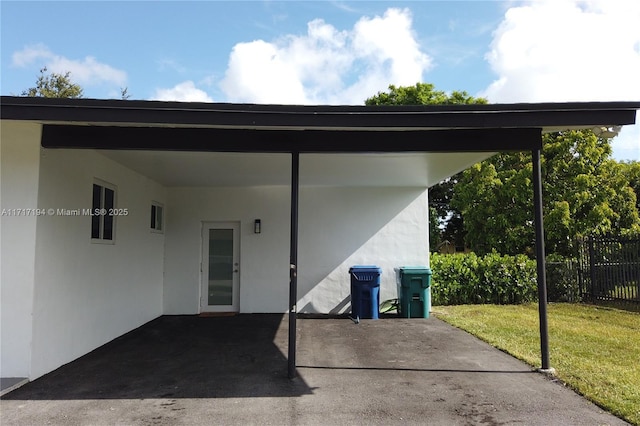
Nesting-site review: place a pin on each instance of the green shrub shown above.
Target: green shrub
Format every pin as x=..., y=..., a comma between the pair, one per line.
x=562, y=280
x=460, y=279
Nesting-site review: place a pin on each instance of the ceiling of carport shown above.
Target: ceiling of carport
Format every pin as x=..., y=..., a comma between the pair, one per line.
x=199, y=169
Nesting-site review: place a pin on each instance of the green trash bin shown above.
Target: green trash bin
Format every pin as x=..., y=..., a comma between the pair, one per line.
x=414, y=291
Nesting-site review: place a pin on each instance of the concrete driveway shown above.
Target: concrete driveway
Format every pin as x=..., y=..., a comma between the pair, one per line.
x=232, y=370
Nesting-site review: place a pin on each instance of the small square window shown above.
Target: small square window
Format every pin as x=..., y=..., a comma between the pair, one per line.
x=157, y=217
x=103, y=204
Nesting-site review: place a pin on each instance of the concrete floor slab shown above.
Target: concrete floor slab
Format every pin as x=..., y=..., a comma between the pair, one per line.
x=233, y=370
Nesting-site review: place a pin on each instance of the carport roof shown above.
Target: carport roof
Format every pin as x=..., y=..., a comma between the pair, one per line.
x=216, y=127
x=125, y=124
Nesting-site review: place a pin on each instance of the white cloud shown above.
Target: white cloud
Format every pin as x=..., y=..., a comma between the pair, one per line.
x=87, y=71
x=258, y=72
x=568, y=50
x=391, y=38
x=183, y=92
x=327, y=65
x=31, y=54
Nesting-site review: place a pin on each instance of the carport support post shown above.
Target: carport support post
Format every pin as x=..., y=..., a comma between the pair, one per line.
x=293, y=266
x=540, y=258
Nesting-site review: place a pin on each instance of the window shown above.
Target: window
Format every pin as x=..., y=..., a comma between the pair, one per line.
x=102, y=212
x=156, y=217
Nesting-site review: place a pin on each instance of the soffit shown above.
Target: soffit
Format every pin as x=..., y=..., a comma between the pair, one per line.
x=201, y=169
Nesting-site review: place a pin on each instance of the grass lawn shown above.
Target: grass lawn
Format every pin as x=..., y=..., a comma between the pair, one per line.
x=595, y=350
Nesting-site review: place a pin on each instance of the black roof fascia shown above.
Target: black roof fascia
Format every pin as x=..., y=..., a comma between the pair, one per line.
x=304, y=141
x=123, y=112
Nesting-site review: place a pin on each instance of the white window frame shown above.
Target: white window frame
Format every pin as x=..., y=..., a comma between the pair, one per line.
x=100, y=218
x=157, y=217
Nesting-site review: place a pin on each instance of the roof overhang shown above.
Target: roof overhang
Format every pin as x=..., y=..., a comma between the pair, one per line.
x=154, y=125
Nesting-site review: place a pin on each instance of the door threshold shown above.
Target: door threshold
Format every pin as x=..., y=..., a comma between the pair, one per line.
x=218, y=314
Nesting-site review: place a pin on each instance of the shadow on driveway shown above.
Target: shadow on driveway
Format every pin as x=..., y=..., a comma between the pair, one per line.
x=178, y=357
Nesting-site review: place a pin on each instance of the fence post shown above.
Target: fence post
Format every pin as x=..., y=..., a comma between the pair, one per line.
x=581, y=278
x=592, y=267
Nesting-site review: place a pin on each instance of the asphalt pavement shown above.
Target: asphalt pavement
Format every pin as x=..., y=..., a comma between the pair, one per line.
x=188, y=370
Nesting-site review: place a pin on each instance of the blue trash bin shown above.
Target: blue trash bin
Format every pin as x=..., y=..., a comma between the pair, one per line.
x=365, y=291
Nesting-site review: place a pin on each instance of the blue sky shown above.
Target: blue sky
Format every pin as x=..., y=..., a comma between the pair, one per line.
x=330, y=52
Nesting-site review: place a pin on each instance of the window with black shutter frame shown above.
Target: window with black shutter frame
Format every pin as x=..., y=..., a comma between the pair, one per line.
x=103, y=205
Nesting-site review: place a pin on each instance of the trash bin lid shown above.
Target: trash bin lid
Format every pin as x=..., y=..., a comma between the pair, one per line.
x=414, y=270
x=365, y=268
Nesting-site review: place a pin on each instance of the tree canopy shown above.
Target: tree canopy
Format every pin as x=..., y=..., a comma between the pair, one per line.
x=490, y=205
x=54, y=85
x=421, y=94
x=631, y=170
x=585, y=192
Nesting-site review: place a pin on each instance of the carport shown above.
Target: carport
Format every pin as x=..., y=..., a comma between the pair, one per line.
x=299, y=130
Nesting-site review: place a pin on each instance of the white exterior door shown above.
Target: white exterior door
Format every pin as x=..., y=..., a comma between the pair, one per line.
x=220, y=267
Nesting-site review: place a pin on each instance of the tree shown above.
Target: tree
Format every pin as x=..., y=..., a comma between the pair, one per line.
x=494, y=198
x=124, y=93
x=422, y=94
x=631, y=170
x=434, y=229
x=54, y=85
x=449, y=221
x=584, y=192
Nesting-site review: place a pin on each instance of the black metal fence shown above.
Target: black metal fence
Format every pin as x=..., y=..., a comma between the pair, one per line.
x=562, y=281
x=609, y=269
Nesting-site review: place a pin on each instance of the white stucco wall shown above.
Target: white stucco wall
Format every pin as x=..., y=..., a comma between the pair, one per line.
x=264, y=257
x=19, y=168
x=343, y=227
x=338, y=228
x=86, y=293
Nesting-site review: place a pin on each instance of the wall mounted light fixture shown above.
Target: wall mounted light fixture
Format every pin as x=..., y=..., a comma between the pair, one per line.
x=257, y=226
